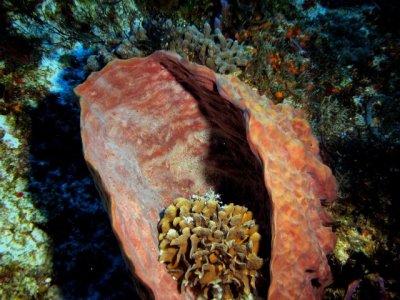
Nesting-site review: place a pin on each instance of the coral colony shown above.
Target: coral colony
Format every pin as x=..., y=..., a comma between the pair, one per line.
x=210, y=247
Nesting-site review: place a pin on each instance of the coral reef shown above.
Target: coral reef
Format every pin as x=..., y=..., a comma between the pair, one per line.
x=280, y=66
x=25, y=248
x=65, y=23
x=26, y=261
x=195, y=12
x=337, y=60
x=224, y=56
x=354, y=119
x=56, y=240
x=351, y=101
x=122, y=34
x=211, y=247
x=221, y=54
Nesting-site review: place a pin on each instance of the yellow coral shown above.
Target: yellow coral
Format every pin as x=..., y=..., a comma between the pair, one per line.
x=210, y=248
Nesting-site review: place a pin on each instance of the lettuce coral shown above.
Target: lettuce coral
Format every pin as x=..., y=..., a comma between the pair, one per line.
x=211, y=247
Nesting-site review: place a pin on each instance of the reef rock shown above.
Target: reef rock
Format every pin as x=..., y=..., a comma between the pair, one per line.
x=158, y=128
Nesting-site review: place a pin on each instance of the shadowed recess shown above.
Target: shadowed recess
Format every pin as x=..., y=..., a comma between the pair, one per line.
x=231, y=167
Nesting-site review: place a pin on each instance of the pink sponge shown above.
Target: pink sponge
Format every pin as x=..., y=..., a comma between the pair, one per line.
x=158, y=128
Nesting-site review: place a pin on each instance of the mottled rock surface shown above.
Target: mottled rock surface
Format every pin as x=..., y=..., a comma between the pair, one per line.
x=157, y=128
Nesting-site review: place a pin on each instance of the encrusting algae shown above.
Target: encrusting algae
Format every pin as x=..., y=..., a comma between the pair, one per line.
x=211, y=247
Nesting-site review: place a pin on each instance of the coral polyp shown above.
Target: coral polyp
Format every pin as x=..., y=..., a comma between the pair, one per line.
x=210, y=247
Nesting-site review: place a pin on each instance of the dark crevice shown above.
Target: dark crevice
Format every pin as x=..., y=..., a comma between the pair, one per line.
x=231, y=167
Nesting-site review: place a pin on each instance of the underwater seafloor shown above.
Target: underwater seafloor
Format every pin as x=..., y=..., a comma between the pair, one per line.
x=337, y=60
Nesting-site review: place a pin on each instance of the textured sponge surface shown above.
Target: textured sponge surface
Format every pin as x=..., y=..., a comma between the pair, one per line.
x=297, y=181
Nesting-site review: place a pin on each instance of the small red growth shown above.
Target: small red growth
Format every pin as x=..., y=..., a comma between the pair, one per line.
x=331, y=89
x=274, y=60
x=310, y=87
x=19, y=80
x=279, y=95
x=19, y=195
